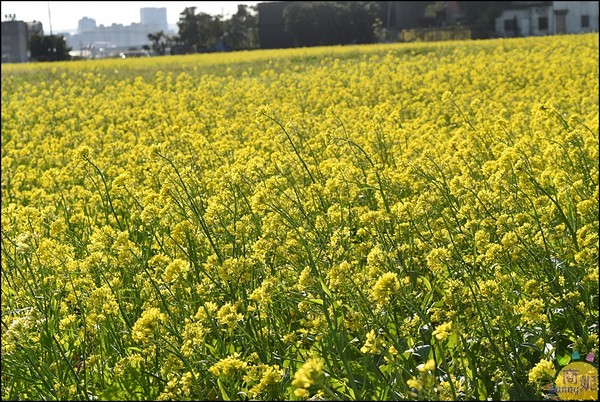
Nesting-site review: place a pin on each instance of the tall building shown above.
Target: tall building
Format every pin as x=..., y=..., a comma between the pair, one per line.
x=86, y=25
x=154, y=17
x=14, y=42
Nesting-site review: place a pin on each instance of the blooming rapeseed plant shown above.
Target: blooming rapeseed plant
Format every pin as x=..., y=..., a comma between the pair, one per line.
x=301, y=223
x=443, y=331
x=308, y=375
x=385, y=287
x=544, y=370
x=147, y=325
x=229, y=366
x=373, y=344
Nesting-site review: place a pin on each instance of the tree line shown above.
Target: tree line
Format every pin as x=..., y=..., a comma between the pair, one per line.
x=310, y=23
x=201, y=32
x=316, y=23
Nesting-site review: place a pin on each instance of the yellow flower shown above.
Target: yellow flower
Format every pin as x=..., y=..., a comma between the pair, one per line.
x=443, y=331
x=129, y=184
x=205, y=311
x=176, y=269
x=228, y=316
x=301, y=393
x=415, y=383
x=271, y=377
x=193, y=337
x=83, y=152
x=437, y=259
x=532, y=311
x=229, y=366
x=305, y=279
x=447, y=96
x=445, y=389
x=426, y=367
x=543, y=371
x=385, y=287
x=373, y=344
x=309, y=374
x=147, y=325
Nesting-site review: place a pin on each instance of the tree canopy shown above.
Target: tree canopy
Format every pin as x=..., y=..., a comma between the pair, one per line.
x=48, y=48
x=480, y=16
x=202, y=31
x=241, y=30
x=330, y=23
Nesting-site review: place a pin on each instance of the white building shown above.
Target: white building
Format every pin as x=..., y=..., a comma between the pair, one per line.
x=154, y=17
x=537, y=18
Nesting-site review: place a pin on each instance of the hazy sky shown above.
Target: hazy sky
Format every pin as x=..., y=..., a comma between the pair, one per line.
x=66, y=14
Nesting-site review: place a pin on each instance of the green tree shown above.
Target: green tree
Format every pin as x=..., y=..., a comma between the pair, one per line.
x=189, y=30
x=435, y=14
x=159, y=42
x=48, y=48
x=315, y=23
x=363, y=17
x=480, y=16
x=211, y=30
x=241, y=30
x=200, y=31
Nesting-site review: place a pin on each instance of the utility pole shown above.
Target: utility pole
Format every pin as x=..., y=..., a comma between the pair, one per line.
x=49, y=18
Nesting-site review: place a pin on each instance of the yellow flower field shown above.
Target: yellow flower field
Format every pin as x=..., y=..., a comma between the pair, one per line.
x=387, y=222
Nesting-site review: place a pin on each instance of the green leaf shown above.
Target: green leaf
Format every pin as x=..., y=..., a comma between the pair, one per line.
x=482, y=390
x=423, y=351
x=325, y=288
x=426, y=283
x=112, y=393
x=339, y=318
x=224, y=394
x=452, y=341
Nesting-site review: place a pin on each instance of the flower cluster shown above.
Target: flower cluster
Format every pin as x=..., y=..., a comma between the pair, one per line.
x=361, y=222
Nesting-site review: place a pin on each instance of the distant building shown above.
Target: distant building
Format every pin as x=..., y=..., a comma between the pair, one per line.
x=106, y=41
x=109, y=41
x=14, y=42
x=86, y=25
x=155, y=18
x=34, y=28
x=537, y=18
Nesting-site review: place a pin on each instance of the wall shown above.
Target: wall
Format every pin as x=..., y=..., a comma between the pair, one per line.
x=575, y=9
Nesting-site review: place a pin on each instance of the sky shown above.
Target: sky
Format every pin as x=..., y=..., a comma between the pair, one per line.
x=66, y=14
